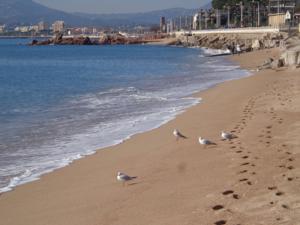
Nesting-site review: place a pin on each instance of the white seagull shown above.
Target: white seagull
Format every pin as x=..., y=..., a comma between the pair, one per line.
x=178, y=135
x=227, y=136
x=204, y=141
x=124, y=177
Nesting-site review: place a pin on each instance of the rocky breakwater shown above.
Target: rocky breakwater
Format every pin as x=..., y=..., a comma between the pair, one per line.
x=291, y=53
x=247, y=42
x=111, y=39
x=60, y=40
x=289, y=58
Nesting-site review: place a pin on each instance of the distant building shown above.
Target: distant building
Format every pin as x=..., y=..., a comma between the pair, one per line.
x=170, y=26
x=58, y=26
x=163, y=25
x=281, y=6
x=22, y=29
x=42, y=26
x=26, y=29
x=277, y=19
x=2, y=28
x=278, y=10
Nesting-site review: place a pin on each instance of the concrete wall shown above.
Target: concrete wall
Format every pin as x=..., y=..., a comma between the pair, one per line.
x=249, y=30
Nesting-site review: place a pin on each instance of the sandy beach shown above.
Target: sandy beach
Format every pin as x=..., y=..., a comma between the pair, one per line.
x=252, y=179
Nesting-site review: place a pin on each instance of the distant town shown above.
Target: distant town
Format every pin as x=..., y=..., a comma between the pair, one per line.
x=276, y=13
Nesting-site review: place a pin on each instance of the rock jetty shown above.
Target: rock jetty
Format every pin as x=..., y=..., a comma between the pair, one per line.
x=291, y=52
x=60, y=40
x=111, y=39
x=247, y=42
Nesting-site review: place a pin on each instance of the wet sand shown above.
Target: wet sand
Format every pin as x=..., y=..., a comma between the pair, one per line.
x=252, y=179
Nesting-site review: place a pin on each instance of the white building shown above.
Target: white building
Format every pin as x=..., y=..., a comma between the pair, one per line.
x=58, y=26
x=2, y=28
x=43, y=26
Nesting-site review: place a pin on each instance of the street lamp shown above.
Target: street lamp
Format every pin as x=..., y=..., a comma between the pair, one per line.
x=228, y=15
x=242, y=13
x=258, y=13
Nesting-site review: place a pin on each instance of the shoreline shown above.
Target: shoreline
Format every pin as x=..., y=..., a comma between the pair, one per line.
x=86, y=192
x=31, y=176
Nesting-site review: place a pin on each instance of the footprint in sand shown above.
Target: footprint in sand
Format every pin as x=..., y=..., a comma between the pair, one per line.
x=285, y=206
x=217, y=207
x=243, y=171
x=220, y=222
x=279, y=193
x=290, y=167
x=236, y=196
x=244, y=179
x=228, y=192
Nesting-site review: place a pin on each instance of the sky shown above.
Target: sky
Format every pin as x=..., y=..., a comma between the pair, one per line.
x=119, y=6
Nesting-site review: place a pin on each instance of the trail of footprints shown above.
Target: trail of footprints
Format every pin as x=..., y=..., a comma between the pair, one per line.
x=248, y=160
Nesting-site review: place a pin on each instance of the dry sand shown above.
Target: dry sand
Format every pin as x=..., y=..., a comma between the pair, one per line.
x=253, y=179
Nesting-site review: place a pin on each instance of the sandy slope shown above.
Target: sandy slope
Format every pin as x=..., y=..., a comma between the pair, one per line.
x=253, y=179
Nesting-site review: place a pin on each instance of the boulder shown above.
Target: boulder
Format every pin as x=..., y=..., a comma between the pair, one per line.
x=277, y=63
x=291, y=57
x=256, y=44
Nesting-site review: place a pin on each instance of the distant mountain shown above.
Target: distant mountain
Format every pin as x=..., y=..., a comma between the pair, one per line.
x=30, y=12
x=146, y=18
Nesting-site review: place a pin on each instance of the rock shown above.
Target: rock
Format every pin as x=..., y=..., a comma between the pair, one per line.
x=277, y=64
x=267, y=64
x=256, y=44
x=58, y=39
x=291, y=57
x=34, y=42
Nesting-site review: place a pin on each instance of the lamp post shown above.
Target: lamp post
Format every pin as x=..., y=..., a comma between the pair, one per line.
x=228, y=15
x=242, y=13
x=258, y=13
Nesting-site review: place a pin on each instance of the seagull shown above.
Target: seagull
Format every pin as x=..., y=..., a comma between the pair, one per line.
x=227, y=136
x=178, y=135
x=124, y=177
x=204, y=141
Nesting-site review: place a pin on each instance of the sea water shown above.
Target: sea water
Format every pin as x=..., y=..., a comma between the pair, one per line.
x=60, y=103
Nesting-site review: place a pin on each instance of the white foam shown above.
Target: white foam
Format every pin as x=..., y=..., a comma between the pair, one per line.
x=210, y=51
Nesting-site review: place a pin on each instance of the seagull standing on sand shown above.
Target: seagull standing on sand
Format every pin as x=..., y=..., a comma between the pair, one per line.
x=178, y=135
x=124, y=177
x=204, y=141
x=227, y=136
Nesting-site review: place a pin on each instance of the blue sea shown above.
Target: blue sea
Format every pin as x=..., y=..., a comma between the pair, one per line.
x=60, y=103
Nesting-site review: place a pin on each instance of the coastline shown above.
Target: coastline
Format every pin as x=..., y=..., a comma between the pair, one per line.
x=178, y=182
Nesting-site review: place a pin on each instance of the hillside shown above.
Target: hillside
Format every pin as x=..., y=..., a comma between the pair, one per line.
x=29, y=12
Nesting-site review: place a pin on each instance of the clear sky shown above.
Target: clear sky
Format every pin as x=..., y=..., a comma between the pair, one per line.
x=117, y=6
